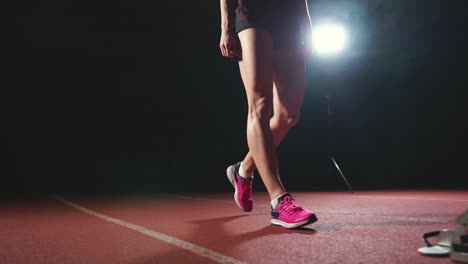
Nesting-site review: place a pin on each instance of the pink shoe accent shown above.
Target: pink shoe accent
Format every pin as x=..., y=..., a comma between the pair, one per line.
x=243, y=188
x=291, y=215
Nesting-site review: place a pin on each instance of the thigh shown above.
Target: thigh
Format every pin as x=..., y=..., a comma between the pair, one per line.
x=289, y=81
x=256, y=64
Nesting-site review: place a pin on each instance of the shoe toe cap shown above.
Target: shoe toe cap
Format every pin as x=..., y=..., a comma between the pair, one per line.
x=305, y=215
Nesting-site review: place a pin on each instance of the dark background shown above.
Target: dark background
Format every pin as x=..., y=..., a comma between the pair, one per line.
x=134, y=96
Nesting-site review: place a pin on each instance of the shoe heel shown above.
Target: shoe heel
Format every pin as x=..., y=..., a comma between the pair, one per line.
x=229, y=175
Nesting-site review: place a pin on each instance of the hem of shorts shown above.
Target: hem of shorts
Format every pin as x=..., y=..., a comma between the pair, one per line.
x=252, y=26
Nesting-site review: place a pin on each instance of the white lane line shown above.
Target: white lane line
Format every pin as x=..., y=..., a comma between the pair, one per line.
x=204, y=252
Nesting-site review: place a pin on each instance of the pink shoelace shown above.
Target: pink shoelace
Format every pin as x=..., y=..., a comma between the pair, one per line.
x=247, y=186
x=289, y=206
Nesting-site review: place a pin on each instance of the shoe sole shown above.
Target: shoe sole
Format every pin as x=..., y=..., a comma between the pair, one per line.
x=230, y=176
x=312, y=219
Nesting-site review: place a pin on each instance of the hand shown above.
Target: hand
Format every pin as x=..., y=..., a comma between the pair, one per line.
x=230, y=45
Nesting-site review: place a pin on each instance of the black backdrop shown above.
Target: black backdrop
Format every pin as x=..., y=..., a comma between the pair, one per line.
x=129, y=96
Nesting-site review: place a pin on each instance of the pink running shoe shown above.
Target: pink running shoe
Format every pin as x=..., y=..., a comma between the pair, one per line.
x=243, y=187
x=289, y=214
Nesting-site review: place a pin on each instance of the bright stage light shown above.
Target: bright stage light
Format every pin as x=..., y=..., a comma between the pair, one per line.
x=329, y=38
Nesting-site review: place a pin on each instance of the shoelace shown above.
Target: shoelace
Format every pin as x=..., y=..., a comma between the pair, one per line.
x=289, y=206
x=243, y=190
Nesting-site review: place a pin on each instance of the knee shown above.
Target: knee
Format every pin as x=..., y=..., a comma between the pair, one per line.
x=260, y=109
x=285, y=120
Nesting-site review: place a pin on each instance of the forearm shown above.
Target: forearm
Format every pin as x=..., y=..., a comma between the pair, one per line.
x=227, y=15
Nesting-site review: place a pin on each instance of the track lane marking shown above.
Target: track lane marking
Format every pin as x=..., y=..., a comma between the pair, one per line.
x=201, y=251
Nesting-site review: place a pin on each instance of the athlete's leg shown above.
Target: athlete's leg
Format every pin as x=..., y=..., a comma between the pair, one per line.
x=257, y=70
x=288, y=96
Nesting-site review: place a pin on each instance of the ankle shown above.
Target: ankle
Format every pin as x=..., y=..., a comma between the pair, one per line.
x=274, y=202
x=247, y=167
x=244, y=173
x=277, y=194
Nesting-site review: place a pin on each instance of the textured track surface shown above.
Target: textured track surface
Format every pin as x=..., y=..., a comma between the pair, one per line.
x=364, y=227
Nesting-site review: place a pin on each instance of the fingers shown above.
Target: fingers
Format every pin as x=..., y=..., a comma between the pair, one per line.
x=223, y=49
x=228, y=52
x=230, y=46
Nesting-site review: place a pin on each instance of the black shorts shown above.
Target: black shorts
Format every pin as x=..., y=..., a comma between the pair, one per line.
x=281, y=18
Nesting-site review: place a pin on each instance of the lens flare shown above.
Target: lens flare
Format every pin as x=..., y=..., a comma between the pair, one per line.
x=329, y=38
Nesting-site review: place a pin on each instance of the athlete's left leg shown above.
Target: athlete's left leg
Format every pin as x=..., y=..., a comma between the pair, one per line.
x=288, y=96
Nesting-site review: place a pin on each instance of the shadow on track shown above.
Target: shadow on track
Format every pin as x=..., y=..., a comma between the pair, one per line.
x=221, y=239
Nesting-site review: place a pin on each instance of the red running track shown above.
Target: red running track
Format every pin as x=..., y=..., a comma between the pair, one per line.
x=364, y=227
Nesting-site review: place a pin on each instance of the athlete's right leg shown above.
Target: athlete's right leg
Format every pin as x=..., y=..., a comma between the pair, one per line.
x=256, y=68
